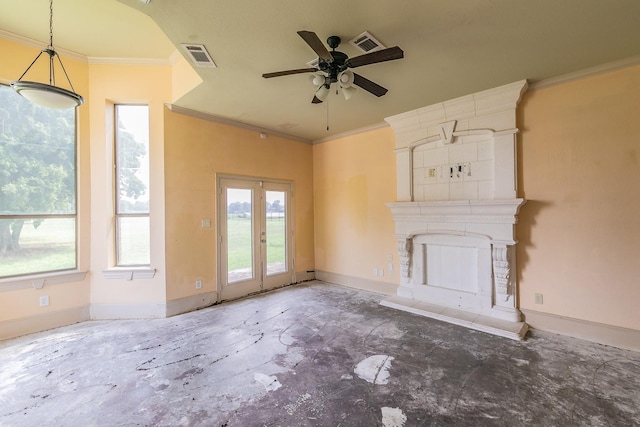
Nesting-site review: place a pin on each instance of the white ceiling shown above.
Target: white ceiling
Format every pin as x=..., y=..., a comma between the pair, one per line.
x=451, y=48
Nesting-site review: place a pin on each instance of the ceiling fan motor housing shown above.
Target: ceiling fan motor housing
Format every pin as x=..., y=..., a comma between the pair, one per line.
x=335, y=67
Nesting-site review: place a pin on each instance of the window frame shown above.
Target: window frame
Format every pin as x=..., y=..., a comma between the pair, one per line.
x=116, y=192
x=38, y=278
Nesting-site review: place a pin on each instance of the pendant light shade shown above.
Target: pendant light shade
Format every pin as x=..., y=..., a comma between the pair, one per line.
x=48, y=95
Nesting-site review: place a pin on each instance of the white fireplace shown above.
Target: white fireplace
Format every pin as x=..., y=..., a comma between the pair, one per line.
x=456, y=211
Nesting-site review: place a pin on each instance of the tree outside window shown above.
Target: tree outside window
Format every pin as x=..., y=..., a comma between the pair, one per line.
x=37, y=187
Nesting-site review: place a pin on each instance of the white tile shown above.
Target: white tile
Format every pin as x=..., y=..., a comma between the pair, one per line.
x=462, y=125
x=456, y=191
x=460, y=108
x=471, y=190
x=469, y=139
x=418, y=192
x=485, y=190
x=435, y=192
x=431, y=175
x=460, y=153
x=418, y=175
x=443, y=175
x=482, y=170
x=431, y=115
x=485, y=149
x=496, y=121
x=418, y=158
x=436, y=157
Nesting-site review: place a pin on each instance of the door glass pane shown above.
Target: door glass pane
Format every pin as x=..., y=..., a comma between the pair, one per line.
x=276, y=232
x=239, y=234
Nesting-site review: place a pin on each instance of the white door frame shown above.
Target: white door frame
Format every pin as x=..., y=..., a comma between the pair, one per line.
x=261, y=280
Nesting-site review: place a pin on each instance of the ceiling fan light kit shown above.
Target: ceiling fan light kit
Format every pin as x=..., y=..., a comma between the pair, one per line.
x=334, y=67
x=48, y=95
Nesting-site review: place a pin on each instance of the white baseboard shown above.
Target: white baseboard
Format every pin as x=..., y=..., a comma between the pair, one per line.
x=42, y=322
x=357, y=282
x=591, y=331
x=305, y=276
x=128, y=311
x=191, y=303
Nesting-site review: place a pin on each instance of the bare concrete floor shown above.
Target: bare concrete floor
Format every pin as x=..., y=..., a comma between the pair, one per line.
x=310, y=355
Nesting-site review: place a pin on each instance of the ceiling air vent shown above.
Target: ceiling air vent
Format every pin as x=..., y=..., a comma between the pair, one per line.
x=367, y=43
x=199, y=55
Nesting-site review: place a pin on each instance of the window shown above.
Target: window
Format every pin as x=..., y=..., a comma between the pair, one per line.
x=132, y=185
x=37, y=187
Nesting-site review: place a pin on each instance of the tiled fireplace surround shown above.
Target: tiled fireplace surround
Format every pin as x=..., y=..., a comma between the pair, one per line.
x=456, y=211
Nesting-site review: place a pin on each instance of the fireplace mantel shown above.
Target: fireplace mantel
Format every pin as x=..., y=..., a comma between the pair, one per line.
x=456, y=211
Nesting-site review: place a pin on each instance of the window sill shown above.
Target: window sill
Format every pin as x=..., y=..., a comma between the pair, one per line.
x=129, y=273
x=38, y=281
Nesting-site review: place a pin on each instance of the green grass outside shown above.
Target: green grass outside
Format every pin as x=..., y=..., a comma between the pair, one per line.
x=49, y=247
x=239, y=242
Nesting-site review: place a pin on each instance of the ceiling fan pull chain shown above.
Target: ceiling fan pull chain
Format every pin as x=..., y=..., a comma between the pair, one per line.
x=328, y=112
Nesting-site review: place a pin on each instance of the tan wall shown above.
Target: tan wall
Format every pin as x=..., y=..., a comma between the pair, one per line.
x=112, y=84
x=578, y=169
x=354, y=177
x=21, y=304
x=195, y=151
x=579, y=232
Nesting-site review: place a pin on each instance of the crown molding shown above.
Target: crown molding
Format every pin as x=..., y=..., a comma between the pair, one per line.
x=352, y=132
x=222, y=120
x=41, y=45
x=95, y=60
x=26, y=41
x=587, y=72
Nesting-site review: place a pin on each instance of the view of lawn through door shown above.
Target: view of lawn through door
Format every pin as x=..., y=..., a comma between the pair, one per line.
x=240, y=226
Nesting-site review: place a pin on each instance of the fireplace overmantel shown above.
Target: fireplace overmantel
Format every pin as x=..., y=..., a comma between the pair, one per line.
x=456, y=210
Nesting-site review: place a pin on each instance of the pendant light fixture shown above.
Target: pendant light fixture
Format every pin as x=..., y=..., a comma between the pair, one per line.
x=48, y=95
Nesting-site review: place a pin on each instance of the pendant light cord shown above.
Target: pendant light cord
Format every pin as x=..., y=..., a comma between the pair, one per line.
x=51, y=24
x=51, y=50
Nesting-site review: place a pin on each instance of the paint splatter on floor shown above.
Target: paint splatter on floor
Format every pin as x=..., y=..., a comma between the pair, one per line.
x=200, y=369
x=393, y=417
x=374, y=369
x=293, y=407
x=271, y=383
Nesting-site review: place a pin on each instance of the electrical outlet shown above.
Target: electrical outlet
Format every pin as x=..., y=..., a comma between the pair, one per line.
x=198, y=284
x=390, y=268
x=375, y=271
x=206, y=223
x=538, y=298
x=44, y=300
x=381, y=272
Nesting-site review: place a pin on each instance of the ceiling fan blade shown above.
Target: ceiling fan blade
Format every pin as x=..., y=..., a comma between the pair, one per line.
x=314, y=43
x=388, y=54
x=316, y=100
x=368, y=85
x=289, y=72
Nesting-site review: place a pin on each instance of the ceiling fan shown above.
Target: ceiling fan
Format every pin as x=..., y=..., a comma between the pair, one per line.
x=334, y=67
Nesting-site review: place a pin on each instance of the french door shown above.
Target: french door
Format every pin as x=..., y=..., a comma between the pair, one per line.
x=255, y=244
